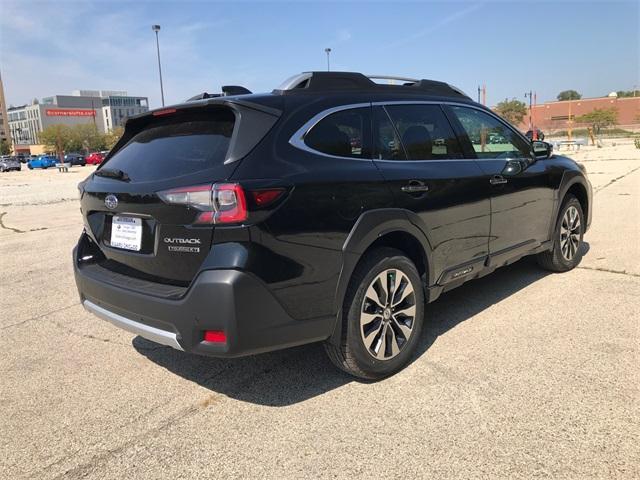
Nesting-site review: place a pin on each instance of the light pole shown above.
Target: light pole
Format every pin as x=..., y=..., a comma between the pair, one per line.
x=156, y=28
x=328, y=52
x=533, y=133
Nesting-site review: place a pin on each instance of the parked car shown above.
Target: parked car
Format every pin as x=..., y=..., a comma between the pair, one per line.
x=540, y=134
x=235, y=225
x=9, y=163
x=75, y=159
x=21, y=157
x=42, y=161
x=95, y=158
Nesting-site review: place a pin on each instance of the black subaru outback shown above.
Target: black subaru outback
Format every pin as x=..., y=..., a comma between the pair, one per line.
x=332, y=209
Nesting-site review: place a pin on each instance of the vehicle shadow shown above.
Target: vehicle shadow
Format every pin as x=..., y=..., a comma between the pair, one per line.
x=294, y=375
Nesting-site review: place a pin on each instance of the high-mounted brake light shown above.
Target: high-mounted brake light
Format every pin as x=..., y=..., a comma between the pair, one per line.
x=218, y=203
x=166, y=111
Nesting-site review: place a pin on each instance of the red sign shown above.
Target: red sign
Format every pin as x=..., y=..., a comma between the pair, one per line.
x=70, y=113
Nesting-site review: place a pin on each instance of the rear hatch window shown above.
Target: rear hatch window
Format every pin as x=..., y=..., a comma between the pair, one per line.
x=180, y=144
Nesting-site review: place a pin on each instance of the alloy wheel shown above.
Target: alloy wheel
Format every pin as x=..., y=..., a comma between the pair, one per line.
x=387, y=314
x=570, y=233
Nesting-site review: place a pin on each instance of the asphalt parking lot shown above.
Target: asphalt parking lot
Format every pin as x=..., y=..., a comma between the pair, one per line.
x=520, y=374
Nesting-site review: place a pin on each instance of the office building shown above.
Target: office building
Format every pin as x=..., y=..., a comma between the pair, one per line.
x=4, y=120
x=104, y=109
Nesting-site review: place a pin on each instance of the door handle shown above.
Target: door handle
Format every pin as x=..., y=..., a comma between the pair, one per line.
x=498, y=180
x=415, y=186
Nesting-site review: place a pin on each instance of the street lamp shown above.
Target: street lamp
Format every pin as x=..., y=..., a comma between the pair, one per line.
x=156, y=28
x=328, y=51
x=530, y=95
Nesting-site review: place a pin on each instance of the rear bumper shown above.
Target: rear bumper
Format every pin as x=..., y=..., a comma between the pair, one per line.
x=233, y=301
x=150, y=333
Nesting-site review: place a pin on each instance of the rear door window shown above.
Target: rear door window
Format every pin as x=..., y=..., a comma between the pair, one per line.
x=342, y=134
x=387, y=142
x=424, y=132
x=176, y=146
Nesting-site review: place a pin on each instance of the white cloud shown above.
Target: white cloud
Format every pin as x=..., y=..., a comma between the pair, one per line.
x=48, y=49
x=343, y=35
x=442, y=22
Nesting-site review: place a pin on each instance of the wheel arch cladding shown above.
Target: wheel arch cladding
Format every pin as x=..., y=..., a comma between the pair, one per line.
x=406, y=243
x=580, y=192
x=381, y=228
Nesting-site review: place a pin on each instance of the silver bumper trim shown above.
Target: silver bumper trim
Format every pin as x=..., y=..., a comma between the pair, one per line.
x=150, y=333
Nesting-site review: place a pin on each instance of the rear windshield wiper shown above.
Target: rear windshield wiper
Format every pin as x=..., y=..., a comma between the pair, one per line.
x=112, y=173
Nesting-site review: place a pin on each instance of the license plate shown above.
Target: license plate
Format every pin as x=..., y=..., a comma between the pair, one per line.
x=126, y=232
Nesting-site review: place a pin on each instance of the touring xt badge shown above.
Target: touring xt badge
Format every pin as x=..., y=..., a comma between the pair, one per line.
x=177, y=244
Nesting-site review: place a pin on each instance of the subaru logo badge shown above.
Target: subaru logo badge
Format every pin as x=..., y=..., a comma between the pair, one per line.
x=111, y=201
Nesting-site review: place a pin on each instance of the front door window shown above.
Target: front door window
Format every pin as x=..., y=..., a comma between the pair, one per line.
x=490, y=137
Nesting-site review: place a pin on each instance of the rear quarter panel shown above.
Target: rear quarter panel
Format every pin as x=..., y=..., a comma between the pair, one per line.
x=309, y=231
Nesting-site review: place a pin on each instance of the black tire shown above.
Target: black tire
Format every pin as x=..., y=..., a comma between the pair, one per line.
x=353, y=355
x=555, y=260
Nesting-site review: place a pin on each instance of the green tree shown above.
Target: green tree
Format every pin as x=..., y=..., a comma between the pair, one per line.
x=628, y=93
x=599, y=118
x=88, y=138
x=59, y=138
x=568, y=95
x=513, y=110
x=5, y=148
x=113, y=136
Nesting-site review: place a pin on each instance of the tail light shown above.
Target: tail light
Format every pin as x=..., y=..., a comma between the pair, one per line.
x=218, y=203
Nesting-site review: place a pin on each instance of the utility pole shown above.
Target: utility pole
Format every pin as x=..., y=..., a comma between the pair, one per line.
x=328, y=52
x=156, y=28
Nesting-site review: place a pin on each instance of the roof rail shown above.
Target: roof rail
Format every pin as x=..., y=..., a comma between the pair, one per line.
x=390, y=77
x=323, y=81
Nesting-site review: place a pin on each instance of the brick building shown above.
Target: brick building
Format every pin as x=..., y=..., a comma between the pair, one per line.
x=554, y=116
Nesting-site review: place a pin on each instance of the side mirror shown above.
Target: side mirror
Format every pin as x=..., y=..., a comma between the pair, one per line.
x=541, y=150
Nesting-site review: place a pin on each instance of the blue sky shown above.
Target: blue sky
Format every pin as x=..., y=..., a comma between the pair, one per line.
x=51, y=48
